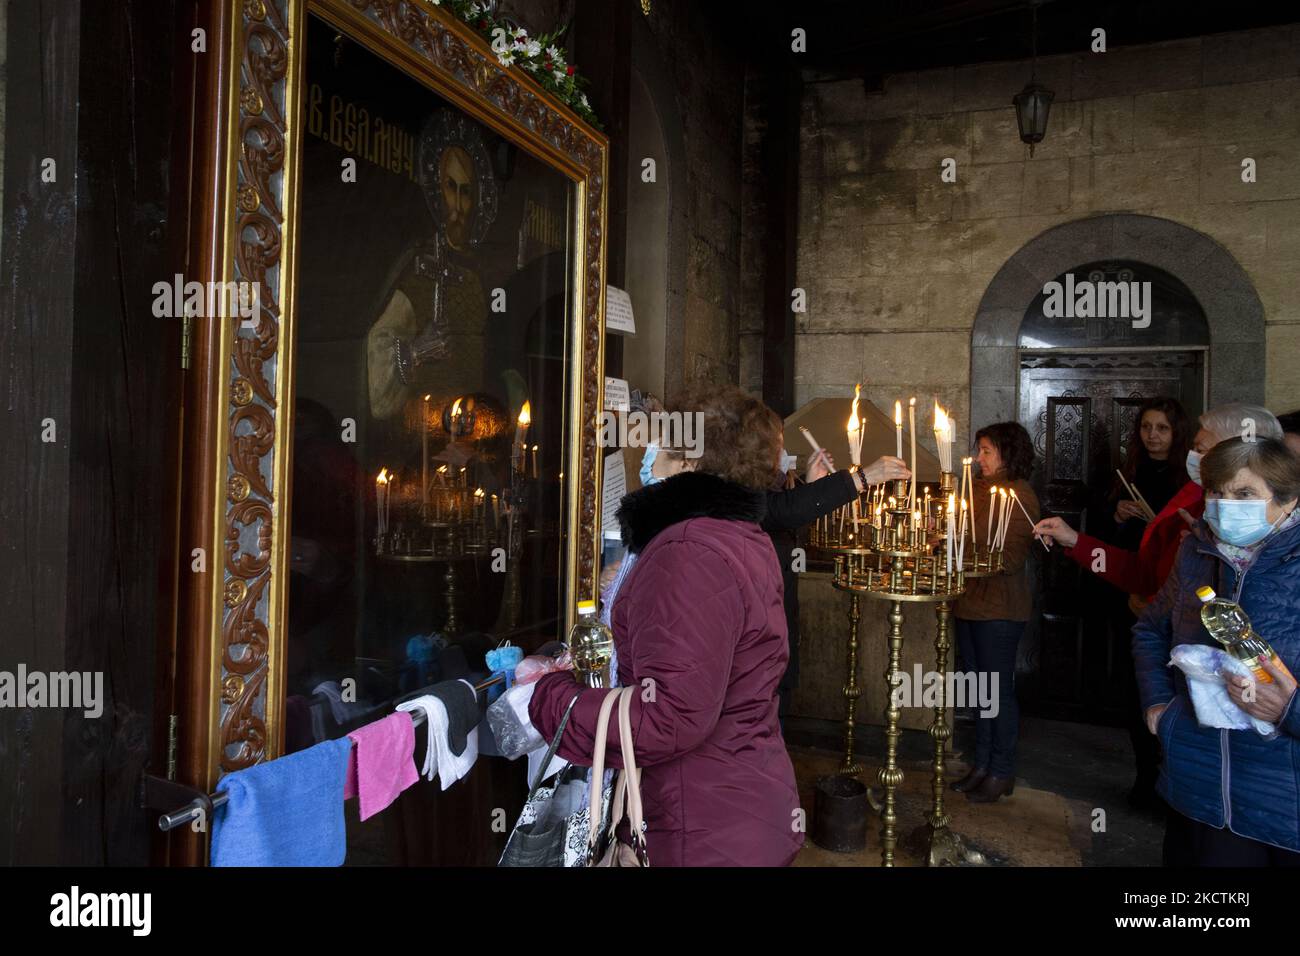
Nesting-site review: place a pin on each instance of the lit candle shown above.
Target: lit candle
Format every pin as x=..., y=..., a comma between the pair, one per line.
x=424, y=451
x=898, y=430
x=855, y=429
x=496, y=511
x=911, y=424
x=381, y=501
x=1005, y=502
x=534, y=461
x=521, y=433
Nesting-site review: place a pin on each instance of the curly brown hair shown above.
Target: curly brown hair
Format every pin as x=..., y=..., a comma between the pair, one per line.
x=742, y=437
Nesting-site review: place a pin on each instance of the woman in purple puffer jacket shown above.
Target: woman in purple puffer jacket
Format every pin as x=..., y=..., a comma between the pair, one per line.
x=699, y=626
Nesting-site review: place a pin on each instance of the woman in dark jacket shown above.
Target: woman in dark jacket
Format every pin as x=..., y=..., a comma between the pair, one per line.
x=1236, y=793
x=791, y=507
x=699, y=627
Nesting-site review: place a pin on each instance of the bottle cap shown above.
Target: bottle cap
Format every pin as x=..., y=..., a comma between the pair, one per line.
x=586, y=607
x=1205, y=593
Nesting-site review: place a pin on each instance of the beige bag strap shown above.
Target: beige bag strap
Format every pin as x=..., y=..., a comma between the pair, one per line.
x=598, y=766
x=630, y=773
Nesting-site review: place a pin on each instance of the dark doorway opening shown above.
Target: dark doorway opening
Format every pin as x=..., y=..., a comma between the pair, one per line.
x=1081, y=382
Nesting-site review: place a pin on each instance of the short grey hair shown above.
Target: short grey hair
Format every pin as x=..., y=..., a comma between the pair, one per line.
x=1232, y=420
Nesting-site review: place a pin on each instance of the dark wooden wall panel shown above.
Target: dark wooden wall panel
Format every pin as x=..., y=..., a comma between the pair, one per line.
x=125, y=375
x=36, y=333
x=89, y=84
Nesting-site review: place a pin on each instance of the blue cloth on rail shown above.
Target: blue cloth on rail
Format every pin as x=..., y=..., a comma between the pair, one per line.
x=285, y=812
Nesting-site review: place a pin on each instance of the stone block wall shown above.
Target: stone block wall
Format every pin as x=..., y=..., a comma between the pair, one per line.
x=895, y=261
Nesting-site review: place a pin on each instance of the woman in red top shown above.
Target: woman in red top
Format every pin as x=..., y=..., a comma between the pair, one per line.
x=1141, y=573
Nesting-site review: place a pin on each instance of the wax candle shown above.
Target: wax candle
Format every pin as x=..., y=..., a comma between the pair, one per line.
x=855, y=429
x=496, y=511
x=424, y=451
x=534, y=461
x=961, y=541
x=1003, y=502
x=993, y=500
x=949, y=535
x=911, y=424
x=521, y=434
x=381, y=501
x=898, y=429
x=812, y=441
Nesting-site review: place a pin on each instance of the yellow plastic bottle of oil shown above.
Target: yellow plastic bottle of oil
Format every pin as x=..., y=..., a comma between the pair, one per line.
x=1230, y=626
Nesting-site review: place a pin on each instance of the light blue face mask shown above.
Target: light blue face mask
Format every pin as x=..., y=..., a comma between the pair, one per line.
x=647, y=463
x=1238, y=521
x=1194, y=466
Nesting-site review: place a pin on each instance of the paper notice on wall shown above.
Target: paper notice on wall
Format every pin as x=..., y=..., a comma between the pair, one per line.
x=618, y=311
x=613, y=490
x=617, y=396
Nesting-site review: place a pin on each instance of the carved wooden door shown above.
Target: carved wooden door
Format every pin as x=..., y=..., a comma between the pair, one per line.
x=1080, y=411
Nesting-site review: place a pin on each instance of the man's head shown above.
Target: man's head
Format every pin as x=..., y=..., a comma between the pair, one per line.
x=457, y=183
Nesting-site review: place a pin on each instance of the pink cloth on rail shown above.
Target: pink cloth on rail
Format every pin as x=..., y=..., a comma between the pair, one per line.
x=382, y=764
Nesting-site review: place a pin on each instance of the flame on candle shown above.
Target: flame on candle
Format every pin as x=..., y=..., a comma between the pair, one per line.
x=898, y=414
x=478, y=493
x=382, y=477
x=525, y=414
x=941, y=422
x=855, y=428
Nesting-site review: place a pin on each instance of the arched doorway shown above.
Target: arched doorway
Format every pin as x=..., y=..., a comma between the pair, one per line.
x=1075, y=381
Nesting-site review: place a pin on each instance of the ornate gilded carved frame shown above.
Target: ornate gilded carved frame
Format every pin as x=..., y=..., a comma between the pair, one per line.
x=232, y=618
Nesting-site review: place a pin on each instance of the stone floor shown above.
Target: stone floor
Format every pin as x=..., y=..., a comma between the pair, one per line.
x=1069, y=807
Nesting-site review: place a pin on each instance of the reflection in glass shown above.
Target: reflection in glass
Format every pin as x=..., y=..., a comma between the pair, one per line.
x=430, y=362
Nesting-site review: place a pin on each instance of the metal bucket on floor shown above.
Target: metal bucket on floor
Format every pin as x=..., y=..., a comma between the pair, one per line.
x=840, y=814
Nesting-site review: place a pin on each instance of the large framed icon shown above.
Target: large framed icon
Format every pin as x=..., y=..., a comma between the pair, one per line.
x=397, y=454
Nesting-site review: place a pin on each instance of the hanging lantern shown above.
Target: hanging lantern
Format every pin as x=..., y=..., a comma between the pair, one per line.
x=1033, y=102
x=1032, y=106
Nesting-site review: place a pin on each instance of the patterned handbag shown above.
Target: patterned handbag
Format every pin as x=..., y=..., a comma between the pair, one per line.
x=551, y=830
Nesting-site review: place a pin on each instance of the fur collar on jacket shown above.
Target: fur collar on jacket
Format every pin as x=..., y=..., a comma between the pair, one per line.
x=688, y=494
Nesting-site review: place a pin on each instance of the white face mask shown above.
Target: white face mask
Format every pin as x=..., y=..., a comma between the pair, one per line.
x=1194, y=466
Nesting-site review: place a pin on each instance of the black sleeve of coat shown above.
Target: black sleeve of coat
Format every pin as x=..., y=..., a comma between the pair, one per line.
x=804, y=504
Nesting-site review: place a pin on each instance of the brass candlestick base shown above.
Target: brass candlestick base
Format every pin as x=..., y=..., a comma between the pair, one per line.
x=891, y=775
x=942, y=846
x=939, y=729
x=848, y=766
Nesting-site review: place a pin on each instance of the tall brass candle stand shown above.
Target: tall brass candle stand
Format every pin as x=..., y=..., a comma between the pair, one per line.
x=894, y=563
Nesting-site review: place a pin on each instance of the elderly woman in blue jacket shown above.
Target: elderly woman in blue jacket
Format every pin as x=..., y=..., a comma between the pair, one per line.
x=1235, y=793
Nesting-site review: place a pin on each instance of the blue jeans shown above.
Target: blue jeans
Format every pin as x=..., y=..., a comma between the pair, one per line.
x=989, y=647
